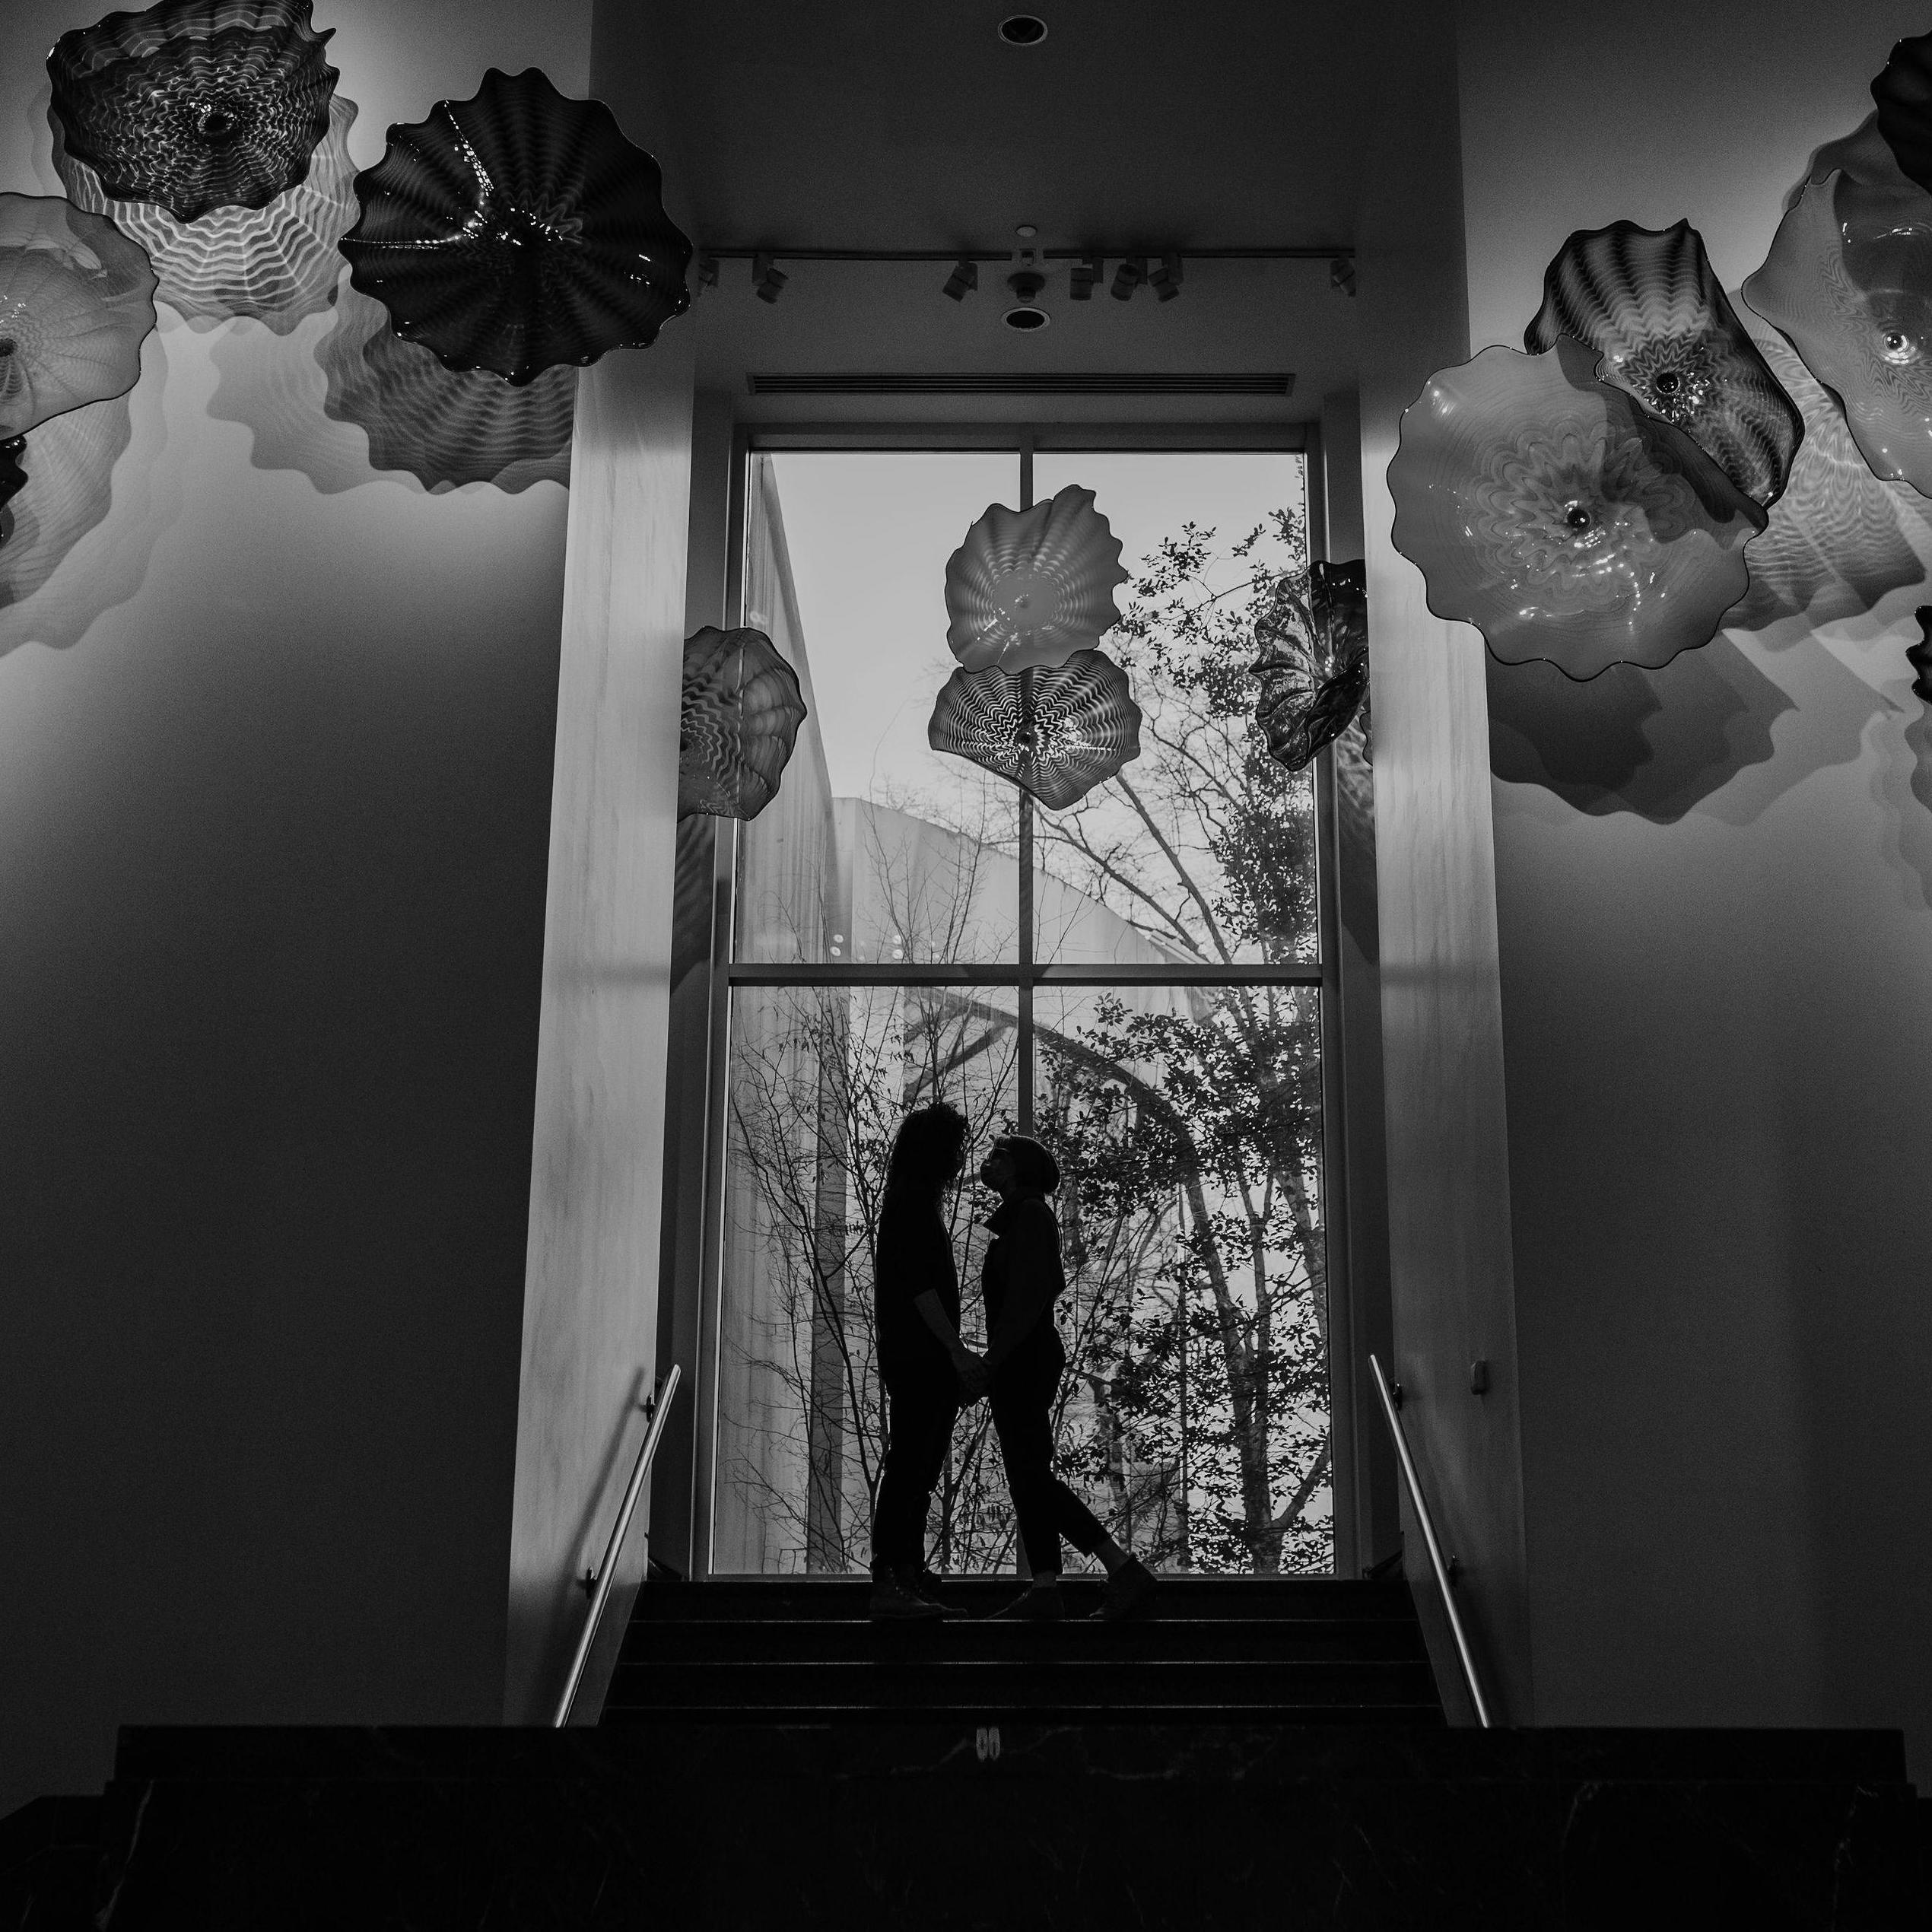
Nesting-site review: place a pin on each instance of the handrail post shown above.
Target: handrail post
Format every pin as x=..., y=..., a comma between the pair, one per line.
x=606, y=1574
x=1434, y=1546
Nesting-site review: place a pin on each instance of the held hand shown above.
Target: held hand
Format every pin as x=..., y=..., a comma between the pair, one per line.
x=973, y=1376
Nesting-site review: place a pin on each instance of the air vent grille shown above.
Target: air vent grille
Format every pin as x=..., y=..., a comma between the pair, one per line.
x=1025, y=382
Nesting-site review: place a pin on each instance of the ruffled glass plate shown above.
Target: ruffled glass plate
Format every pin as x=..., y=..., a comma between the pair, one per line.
x=1029, y=587
x=1848, y=281
x=518, y=231
x=195, y=104
x=1313, y=665
x=1560, y=518
x=1647, y=301
x=1073, y=729
x=77, y=300
x=740, y=717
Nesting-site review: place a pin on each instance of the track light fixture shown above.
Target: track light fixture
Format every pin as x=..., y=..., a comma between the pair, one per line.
x=1166, y=278
x=1342, y=274
x=1081, y=277
x=964, y=278
x=708, y=270
x=1128, y=277
x=768, y=279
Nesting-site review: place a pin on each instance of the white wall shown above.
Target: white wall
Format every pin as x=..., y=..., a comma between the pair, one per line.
x=1717, y=1008
x=272, y=860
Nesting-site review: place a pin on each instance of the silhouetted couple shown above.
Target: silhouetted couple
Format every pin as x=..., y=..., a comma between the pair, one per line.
x=930, y=1374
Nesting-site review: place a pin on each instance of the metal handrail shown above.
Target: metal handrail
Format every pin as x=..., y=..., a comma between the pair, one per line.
x=1422, y=1516
x=599, y=1581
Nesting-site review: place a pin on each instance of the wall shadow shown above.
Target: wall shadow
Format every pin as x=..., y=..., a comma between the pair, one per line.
x=1652, y=742
x=445, y=427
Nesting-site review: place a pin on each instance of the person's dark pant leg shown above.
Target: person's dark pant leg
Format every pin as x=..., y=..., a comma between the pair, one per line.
x=1022, y=1402
x=920, y=1411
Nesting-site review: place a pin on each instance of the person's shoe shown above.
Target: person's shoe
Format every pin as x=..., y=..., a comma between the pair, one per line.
x=924, y=1584
x=1040, y=1602
x=893, y=1602
x=1127, y=1590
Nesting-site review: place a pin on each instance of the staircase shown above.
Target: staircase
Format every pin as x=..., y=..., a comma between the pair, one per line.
x=1219, y=1651
x=1260, y=1754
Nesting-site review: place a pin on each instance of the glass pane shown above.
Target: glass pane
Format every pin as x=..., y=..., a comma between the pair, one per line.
x=1203, y=848
x=1187, y=1125
x=820, y=1079
x=877, y=847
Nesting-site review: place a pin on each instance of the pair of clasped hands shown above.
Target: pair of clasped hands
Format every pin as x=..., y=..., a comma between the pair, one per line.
x=974, y=1376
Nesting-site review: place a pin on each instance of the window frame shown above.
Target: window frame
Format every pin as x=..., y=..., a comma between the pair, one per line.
x=1025, y=975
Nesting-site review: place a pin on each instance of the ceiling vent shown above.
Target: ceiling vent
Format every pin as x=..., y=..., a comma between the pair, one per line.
x=859, y=382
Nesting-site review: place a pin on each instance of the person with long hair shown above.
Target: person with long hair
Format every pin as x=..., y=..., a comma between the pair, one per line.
x=922, y=1360
x=1025, y=1360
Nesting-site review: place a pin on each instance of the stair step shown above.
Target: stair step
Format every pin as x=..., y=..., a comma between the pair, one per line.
x=844, y=1640
x=1178, y=1599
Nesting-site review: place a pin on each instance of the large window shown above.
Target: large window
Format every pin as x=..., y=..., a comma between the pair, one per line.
x=1135, y=979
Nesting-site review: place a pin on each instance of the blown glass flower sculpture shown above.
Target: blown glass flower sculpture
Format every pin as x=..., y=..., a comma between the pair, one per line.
x=1028, y=587
x=13, y=480
x=77, y=300
x=276, y=264
x=196, y=104
x=1562, y=518
x=1904, y=94
x=741, y=711
x=1072, y=729
x=516, y=231
x=1648, y=302
x=1848, y=280
x=1313, y=665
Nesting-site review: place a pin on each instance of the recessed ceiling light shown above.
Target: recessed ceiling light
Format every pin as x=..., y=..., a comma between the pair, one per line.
x=1022, y=30
x=1026, y=318
x=1026, y=231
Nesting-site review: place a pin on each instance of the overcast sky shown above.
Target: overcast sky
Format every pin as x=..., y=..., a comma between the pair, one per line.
x=870, y=532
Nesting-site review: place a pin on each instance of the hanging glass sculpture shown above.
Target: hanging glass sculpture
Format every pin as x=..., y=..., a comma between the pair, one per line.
x=275, y=265
x=1313, y=665
x=1055, y=732
x=77, y=300
x=1028, y=587
x=195, y=104
x=1648, y=303
x=1848, y=280
x=741, y=710
x=13, y=480
x=1904, y=94
x=1562, y=518
x=516, y=231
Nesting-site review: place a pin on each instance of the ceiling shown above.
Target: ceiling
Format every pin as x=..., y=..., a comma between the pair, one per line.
x=897, y=124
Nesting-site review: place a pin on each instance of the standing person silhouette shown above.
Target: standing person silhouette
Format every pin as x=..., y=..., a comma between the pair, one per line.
x=921, y=1360
x=1025, y=1360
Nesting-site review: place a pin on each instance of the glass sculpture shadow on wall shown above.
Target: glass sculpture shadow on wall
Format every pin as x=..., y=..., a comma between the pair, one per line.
x=1647, y=301
x=1562, y=518
x=518, y=231
x=739, y=719
x=1313, y=665
x=77, y=300
x=444, y=427
x=1029, y=587
x=195, y=104
x=1849, y=282
x=274, y=265
x=1075, y=727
